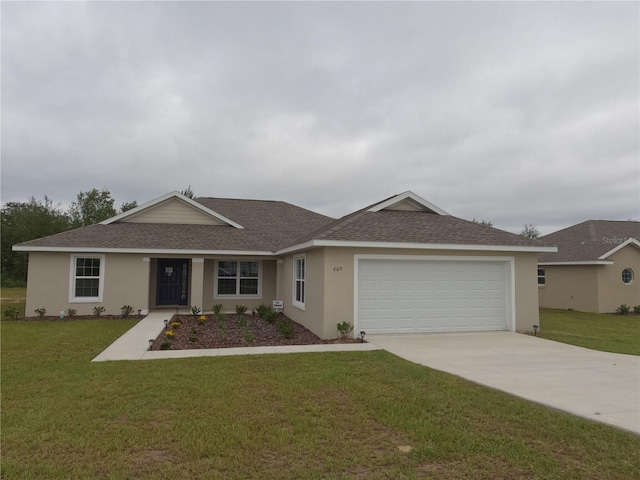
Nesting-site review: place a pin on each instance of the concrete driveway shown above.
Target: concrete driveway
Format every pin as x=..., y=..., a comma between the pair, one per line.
x=601, y=386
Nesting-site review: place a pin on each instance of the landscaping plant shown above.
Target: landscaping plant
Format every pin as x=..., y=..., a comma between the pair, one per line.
x=623, y=309
x=41, y=312
x=344, y=329
x=97, y=311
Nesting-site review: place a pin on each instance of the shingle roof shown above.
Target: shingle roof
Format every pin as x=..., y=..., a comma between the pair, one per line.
x=271, y=225
x=415, y=227
x=267, y=225
x=588, y=241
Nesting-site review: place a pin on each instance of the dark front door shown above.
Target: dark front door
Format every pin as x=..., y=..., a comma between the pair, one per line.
x=173, y=282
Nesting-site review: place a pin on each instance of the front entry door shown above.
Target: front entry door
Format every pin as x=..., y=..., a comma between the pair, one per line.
x=173, y=282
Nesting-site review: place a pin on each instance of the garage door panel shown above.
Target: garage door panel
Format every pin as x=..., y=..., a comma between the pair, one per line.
x=431, y=296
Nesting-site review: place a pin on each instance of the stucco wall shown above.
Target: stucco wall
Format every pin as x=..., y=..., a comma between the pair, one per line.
x=612, y=291
x=330, y=282
x=49, y=281
x=312, y=317
x=570, y=287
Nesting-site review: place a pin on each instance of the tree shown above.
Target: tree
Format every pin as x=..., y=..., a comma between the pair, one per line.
x=22, y=221
x=483, y=222
x=530, y=231
x=128, y=206
x=92, y=207
x=188, y=192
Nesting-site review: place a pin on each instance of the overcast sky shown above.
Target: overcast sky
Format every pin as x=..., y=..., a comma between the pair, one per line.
x=510, y=112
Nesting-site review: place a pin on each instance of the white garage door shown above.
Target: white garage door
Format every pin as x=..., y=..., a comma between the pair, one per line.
x=398, y=296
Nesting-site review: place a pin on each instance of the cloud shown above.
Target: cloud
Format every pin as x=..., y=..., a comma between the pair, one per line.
x=512, y=112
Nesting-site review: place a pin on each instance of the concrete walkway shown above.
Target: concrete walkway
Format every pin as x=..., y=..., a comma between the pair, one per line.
x=601, y=386
x=134, y=345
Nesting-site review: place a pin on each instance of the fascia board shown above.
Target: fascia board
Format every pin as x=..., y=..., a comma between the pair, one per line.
x=422, y=246
x=412, y=196
x=591, y=262
x=629, y=241
x=144, y=251
x=178, y=195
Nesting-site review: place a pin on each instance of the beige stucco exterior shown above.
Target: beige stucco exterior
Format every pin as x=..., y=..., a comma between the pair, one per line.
x=330, y=289
x=130, y=279
x=592, y=288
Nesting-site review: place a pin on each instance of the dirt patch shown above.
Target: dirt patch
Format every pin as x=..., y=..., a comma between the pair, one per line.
x=234, y=331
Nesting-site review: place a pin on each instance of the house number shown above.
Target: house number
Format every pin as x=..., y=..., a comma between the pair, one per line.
x=337, y=269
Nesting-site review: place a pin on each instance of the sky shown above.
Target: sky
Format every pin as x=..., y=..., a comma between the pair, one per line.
x=510, y=112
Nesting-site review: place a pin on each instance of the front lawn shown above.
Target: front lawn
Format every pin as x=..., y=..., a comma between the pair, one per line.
x=599, y=331
x=316, y=415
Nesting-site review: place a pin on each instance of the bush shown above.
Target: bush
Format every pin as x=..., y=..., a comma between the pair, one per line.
x=285, y=327
x=344, y=329
x=97, y=311
x=195, y=310
x=41, y=312
x=217, y=308
x=71, y=312
x=241, y=309
x=126, y=310
x=623, y=309
x=263, y=309
x=270, y=316
x=636, y=309
x=12, y=313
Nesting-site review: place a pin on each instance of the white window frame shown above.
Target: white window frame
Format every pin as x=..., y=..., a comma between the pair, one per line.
x=632, y=276
x=543, y=277
x=295, y=302
x=238, y=277
x=73, y=278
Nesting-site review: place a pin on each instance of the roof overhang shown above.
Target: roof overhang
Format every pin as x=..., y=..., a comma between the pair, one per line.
x=408, y=195
x=593, y=262
x=179, y=196
x=420, y=246
x=629, y=241
x=142, y=251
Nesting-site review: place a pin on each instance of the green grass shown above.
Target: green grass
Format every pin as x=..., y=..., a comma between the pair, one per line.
x=316, y=415
x=599, y=331
x=13, y=297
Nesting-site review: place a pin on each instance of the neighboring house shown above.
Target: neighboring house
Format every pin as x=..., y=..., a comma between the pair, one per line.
x=595, y=268
x=400, y=265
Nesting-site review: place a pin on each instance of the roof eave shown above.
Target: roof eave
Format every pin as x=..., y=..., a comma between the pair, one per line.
x=408, y=194
x=143, y=251
x=629, y=241
x=586, y=262
x=421, y=246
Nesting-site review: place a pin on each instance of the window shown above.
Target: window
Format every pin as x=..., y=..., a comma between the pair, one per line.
x=236, y=278
x=542, y=279
x=627, y=275
x=87, y=274
x=299, y=275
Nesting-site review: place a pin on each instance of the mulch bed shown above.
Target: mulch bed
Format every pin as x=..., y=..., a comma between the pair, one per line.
x=191, y=334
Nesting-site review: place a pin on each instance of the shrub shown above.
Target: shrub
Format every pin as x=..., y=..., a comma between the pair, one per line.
x=195, y=310
x=623, y=309
x=270, y=316
x=285, y=327
x=97, y=311
x=217, y=308
x=165, y=345
x=41, y=312
x=71, y=312
x=344, y=329
x=12, y=313
x=263, y=309
x=636, y=309
x=243, y=321
x=126, y=310
x=202, y=319
x=241, y=309
x=248, y=336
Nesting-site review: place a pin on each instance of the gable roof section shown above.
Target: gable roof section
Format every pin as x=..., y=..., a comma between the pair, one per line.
x=266, y=225
x=130, y=215
x=377, y=226
x=590, y=242
x=407, y=201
